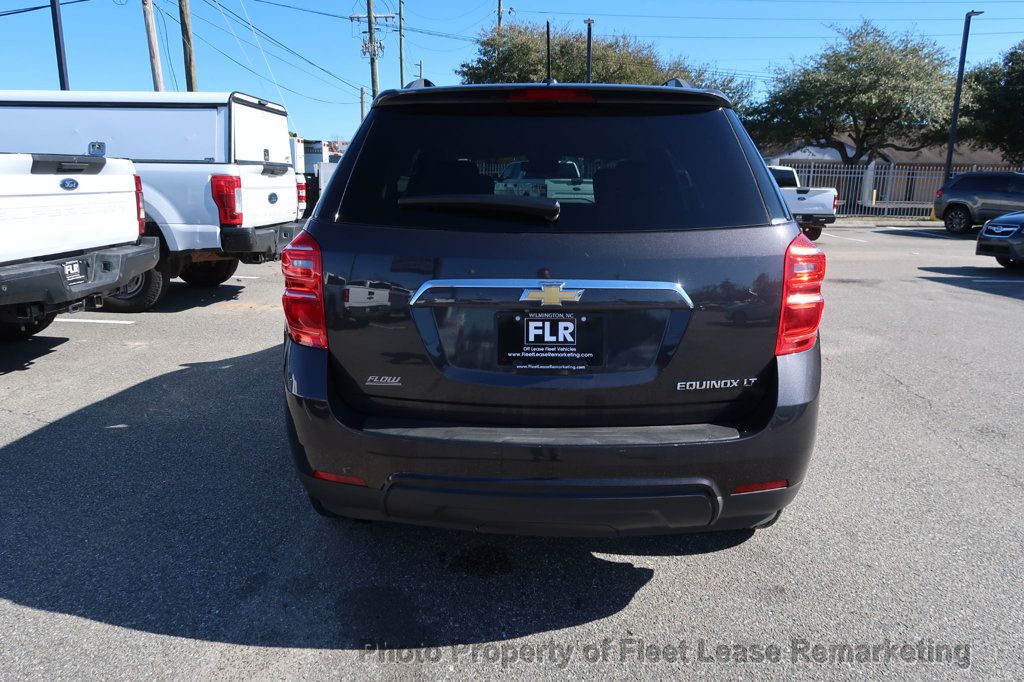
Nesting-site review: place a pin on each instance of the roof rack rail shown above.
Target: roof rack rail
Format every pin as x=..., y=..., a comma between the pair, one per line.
x=676, y=83
x=419, y=83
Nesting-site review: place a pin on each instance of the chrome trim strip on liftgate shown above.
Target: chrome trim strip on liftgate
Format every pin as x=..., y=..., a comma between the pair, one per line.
x=539, y=284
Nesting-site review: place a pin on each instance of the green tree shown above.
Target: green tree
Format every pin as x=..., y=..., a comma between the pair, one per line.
x=871, y=89
x=995, y=116
x=517, y=54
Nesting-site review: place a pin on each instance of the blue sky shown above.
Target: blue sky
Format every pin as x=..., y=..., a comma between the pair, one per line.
x=107, y=50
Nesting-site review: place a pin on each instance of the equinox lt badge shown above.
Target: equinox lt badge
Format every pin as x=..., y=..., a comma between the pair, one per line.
x=712, y=384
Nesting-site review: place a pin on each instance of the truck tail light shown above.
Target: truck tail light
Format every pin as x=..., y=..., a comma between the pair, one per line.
x=802, y=303
x=300, y=189
x=303, y=299
x=227, y=194
x=835, y=202
x=140, y=206
x=939, y=192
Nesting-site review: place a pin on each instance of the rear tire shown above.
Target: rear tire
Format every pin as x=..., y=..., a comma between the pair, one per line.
x=140, y=294
x=958, y=220
x=209, y=273
x=323, y=511
x=19, y=331
x=1009, y=263
x=812, y=231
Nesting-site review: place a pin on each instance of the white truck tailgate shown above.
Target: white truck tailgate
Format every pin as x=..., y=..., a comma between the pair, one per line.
x=267, y=199
x=51, y=210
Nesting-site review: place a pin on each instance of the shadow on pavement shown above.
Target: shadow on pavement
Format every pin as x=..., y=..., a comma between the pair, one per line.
x=182, y=296
x=17, y=356
x=992, y=280
x=172, y=508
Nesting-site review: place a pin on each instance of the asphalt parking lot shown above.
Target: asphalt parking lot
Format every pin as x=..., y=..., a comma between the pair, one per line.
x=151, y=524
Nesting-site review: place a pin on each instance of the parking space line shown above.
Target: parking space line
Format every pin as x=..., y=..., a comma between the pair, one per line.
x=74, y=319
x=833, y=234
x=244, y=277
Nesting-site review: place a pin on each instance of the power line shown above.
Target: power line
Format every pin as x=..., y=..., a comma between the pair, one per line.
x=438, y=34
x=266, y=61
x=252, y=71
x=746, y=18
x=23, y=10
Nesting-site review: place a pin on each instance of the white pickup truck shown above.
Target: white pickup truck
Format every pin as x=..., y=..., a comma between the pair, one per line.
x=553, y=180
x=812, y=207
x=216, y=170
x=70, y=233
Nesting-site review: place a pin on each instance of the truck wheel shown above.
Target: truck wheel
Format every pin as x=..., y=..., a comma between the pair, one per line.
x=958, y=220
x=209, y=273
x=18, y=331
x=812, y=231
x=140, y=294
x=1009, y=263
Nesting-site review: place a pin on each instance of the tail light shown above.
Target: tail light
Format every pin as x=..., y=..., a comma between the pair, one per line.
x=303, y=299
x=300, y=189
x=802, y=303
x=549, y=94
x=140, y=206
x=227, y=194
x=835, y=203
x=939, y=192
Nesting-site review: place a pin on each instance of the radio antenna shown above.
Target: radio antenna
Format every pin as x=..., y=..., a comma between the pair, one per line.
x=548, y=81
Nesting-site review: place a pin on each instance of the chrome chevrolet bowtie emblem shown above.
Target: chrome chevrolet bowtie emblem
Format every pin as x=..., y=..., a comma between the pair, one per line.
x=552, y=293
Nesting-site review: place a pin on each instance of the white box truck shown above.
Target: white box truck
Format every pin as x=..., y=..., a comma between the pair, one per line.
x=216, y=171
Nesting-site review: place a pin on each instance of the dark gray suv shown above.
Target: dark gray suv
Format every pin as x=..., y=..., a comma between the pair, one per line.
x=640, y=356
x=971, y=199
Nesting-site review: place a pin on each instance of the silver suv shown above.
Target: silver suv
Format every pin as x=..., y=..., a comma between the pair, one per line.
x=971, y=199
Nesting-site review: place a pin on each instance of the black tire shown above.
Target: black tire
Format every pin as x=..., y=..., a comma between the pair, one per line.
x=323, y=511
x=812, y=231
x=958, y=220
x=19, y=331
x=1009, y=263
x=770, y=522
x=139, y=294
x=209, y=273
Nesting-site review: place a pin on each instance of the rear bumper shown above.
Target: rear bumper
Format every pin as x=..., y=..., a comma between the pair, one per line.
x=551, y=481
x=807, y=219
x=44, y=283
x=266, y=242
x=1008, y=247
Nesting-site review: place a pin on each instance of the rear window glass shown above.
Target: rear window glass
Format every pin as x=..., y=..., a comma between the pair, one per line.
x=982, y=183
x=610, y=169
x=784, y=177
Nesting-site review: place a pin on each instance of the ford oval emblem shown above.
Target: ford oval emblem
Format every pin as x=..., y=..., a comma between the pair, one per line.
x=272, y=198
x=69, y=184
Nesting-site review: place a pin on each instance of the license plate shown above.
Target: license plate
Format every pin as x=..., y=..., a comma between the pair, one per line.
x=74, y=271
x=535, y=340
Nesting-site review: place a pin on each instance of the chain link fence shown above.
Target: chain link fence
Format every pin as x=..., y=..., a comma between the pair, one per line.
x=877, y=189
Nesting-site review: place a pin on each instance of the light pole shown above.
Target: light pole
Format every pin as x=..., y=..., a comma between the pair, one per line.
x=959, y=88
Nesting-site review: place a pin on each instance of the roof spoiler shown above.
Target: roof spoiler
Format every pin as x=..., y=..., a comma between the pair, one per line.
x=677, y=83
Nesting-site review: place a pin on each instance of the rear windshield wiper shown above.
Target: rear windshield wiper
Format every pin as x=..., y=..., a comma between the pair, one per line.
x=537, y=207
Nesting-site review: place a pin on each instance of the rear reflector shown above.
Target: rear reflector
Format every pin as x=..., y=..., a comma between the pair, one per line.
x=939, y=192
x=140, y=205
x=303, y=299
x=227, y=194
x=759, y=487
x=548, y=94
x=802, y=303
x=339, y=478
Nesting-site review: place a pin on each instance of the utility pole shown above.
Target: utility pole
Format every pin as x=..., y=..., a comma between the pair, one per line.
x=373, y=46
x=186, y=45
x=500, y=12
x=58, y=42
x=590, y=43
x=154, y=48
x=420, y=64
x=956, y=97
x=401, y=43
x=362, y=102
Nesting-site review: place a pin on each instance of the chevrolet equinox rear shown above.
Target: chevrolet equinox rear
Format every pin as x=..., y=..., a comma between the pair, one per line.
x=638, y=355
